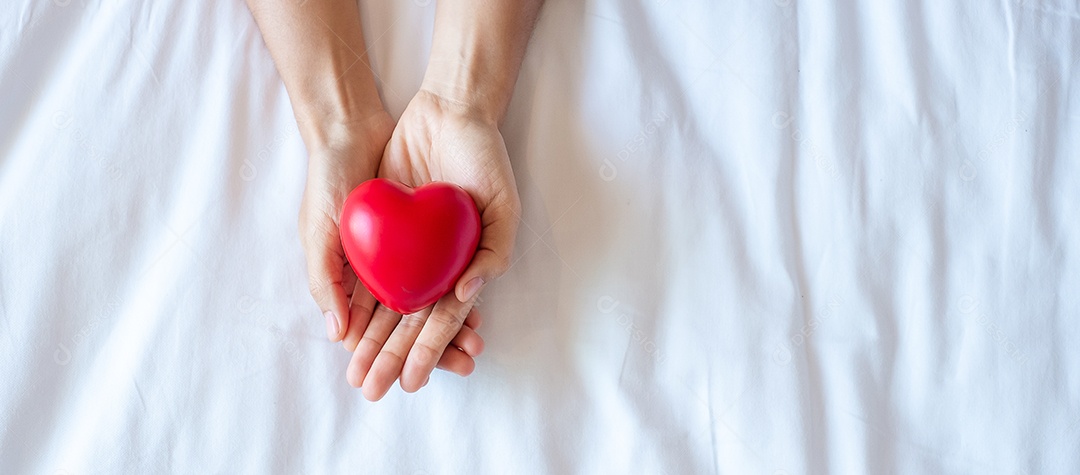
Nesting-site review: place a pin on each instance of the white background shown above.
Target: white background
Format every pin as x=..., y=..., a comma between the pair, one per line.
x=781, y=237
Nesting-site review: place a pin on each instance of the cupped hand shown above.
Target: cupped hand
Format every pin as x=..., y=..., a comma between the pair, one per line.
x=441, y=140
x=346, y=155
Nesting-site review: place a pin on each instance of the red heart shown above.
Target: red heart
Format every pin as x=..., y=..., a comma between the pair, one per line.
x=409, y=246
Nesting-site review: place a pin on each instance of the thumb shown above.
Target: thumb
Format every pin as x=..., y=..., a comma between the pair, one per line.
x=325, y=283
x=492, y=257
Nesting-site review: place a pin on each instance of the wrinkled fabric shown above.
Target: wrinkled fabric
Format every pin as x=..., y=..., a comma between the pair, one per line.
x=765, y=237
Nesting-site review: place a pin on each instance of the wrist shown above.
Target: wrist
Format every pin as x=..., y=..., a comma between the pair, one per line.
x=468, y=86
x=329, y=125
x=476, y=52
x=334, y=94
x=347, y=153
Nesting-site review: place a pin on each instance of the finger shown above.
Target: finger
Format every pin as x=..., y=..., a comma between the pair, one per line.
x=387, y=366
x=451, y=360
x=348, y=281
x=325, y=265
x=474, y=320
x=442, y=325
x=492, y=258
x=468, y=341
x=360, y=310
x=457, y=362
x=383, y=321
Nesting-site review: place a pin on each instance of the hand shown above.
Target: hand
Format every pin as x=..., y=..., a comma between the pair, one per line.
x=351, y=156
x=348, y=156
x=442, y=140
x=319, y=50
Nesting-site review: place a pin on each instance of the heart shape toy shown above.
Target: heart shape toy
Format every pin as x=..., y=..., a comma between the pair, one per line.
x=409, y=246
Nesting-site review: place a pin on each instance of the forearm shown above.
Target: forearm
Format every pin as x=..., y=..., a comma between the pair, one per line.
x=476, y=53
x=318, y=48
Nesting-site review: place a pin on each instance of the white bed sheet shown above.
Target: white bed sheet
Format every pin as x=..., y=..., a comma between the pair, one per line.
x=782, y=237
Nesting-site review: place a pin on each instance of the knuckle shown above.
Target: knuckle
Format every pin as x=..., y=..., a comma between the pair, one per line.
x=412, y=321
x=391, y=357
x=361, y=307
x=447, y=319
x=369, y=341
x=382, y=312
x=425, y=354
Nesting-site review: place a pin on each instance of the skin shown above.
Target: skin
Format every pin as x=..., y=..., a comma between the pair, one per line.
x=448, y=132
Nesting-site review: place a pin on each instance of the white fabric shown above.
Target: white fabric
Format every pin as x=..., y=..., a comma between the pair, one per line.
x=787, y=237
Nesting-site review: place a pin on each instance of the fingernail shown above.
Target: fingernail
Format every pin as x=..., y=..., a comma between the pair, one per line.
x=472, y=287
x=332, y=327
x=426, y=381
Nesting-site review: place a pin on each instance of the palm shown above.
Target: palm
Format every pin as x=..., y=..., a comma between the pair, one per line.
x=434, y=144
x=437, y=141
x=350, y=157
